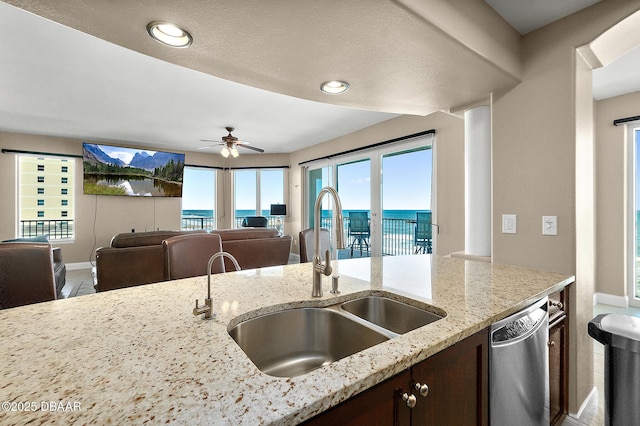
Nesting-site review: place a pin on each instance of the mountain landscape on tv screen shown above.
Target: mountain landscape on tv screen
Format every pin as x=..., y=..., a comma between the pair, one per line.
x=147, y=173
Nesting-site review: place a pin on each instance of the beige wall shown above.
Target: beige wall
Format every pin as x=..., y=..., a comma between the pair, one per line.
x=449, y=161
x=544, y=165
x=611, y=192
x=98, y=218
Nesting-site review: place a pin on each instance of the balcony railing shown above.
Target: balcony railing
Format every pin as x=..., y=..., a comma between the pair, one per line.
x=191, y=223
x=208, y=223
x=397, y=234
x=55, y=229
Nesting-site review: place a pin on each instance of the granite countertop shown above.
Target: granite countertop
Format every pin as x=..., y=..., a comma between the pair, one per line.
x=140, y=355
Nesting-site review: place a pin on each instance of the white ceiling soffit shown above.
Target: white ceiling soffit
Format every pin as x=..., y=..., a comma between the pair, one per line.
x=60, y=82
x=529, y=15
x=394, y=60
x=615, y=59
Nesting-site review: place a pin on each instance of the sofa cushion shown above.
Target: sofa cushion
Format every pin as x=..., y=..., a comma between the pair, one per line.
x=245, y=234
x=149, y=238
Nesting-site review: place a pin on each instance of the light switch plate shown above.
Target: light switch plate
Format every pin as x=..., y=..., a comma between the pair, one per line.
x=549, y=225
x=508, y=223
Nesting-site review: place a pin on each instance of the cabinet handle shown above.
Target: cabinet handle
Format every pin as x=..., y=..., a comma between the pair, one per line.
x=558, y=305
x=551, y=343
x=410, y=399
x=423, y=389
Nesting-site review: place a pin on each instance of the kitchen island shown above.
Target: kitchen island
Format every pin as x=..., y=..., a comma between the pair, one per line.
x=139, y=354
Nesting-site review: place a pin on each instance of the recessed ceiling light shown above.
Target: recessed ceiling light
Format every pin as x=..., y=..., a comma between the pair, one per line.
x=169, y=34
x=334, y=87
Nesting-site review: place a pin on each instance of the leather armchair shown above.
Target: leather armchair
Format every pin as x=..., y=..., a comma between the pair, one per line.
x=307, y=244
x=188, y=255
x=26, y=274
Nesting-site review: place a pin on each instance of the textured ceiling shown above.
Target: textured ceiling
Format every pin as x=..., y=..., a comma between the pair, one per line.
x=90, y=71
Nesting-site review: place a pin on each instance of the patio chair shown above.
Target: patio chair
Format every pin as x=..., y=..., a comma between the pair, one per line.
x=359, y=230
x=423, y=237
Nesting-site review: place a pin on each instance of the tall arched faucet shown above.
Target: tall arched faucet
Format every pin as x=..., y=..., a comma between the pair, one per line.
x=207, y=310
x=318, y=267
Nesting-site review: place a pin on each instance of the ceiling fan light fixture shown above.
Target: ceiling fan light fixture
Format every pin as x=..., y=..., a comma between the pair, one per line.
x=334, y=87
x=234, y=152
x=225, y=152
x=169, y=34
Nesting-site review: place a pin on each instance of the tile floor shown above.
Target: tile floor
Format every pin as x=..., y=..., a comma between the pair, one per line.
x=80, y=282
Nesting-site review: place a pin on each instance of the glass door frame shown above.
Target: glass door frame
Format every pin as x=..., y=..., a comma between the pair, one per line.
x=633, y=131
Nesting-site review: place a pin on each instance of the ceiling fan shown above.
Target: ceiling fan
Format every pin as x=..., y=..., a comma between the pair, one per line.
x=230, y=143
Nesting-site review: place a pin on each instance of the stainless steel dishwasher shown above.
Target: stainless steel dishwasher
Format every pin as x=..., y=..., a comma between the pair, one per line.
x=519, y=368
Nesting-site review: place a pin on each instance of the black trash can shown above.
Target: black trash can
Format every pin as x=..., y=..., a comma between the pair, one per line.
x=620, y=335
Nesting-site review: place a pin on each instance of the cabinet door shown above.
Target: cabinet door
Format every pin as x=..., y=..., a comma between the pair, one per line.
x=458, y=385
x=557, y=372
x=379, y=405
x=558, y=356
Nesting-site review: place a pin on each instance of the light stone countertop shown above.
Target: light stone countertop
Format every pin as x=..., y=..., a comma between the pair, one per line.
x=139, y=354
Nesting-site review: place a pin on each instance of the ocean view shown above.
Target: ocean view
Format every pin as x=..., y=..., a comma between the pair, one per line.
x=387, y=214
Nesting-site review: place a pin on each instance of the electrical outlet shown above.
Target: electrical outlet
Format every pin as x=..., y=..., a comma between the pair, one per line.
x=508, y=223
x=549, y=225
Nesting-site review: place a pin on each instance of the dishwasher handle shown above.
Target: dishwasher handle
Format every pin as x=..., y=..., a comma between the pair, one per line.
x=520, y=325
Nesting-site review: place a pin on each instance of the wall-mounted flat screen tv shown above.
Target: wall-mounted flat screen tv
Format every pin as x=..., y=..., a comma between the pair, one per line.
x=115, y=170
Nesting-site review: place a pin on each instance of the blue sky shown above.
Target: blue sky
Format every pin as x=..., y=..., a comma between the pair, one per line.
x=406, y=182
x=198, y=189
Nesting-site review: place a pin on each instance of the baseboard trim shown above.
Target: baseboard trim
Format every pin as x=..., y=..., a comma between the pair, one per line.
x=586, y=413
x=610, y=299
x=78, y=265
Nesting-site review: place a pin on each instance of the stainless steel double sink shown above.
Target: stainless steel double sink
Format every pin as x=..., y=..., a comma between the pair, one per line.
x=292, y=342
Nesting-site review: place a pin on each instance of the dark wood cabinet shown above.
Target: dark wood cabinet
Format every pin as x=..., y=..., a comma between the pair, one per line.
x=458, y=385
x=558, y=356
x=456, y=391
x=379, y=405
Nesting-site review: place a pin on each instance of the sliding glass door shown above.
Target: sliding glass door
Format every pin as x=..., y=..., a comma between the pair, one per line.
x=354, y=189
x=634, y=238
x=386, y=199
x=406, y=202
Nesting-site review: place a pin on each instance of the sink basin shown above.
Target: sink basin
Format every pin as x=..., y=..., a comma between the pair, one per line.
x=293, y=342
x=390, y=314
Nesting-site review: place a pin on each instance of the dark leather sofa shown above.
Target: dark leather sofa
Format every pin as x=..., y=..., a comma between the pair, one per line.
x=138, y=258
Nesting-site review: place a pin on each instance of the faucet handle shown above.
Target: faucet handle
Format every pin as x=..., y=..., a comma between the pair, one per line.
x=327, y=263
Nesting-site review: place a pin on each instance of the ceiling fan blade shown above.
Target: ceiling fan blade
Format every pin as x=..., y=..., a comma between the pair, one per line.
x=250, y=147
x=211, y=140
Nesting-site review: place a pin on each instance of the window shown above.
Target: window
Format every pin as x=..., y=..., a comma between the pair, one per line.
x=254, y=192
x=198, y=198
x=51, y=215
